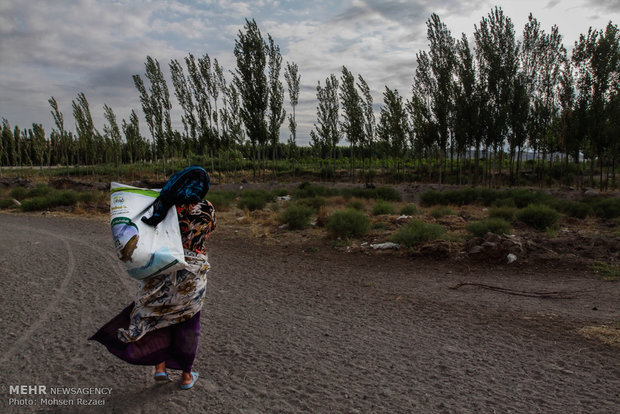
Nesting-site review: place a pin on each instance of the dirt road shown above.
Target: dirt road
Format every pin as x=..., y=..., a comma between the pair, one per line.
x=298, y=330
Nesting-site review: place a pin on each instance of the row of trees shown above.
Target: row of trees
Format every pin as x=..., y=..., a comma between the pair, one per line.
x=501, y=96
x=469, y=104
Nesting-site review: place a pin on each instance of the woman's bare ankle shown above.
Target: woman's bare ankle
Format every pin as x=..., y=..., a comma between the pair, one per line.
x=161, y=367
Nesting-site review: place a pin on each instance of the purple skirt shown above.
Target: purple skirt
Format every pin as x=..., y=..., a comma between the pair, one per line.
x=175, y=344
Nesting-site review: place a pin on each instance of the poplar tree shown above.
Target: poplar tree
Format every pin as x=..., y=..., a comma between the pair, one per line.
x=183, y=93
x=156, y=107
x=467, y=128
x=368, y=137
x=393, y=125
x=352, y=124
x=597, y=58
x=277, y=114
x=8, y=145
x=292, y=76
x=252, y=84
x=497, y=56
x=137, y=147
x=327, y=131
x=85, y=129
x=112, y=133
x=38, y=143
x=442, y=61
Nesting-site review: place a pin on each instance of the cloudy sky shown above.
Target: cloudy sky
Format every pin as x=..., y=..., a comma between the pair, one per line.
x=63, y=47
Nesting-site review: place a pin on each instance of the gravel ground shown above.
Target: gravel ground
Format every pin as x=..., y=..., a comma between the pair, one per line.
x=295, y=330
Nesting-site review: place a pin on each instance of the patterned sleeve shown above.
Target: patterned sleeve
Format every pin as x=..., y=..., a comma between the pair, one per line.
x=197, y=221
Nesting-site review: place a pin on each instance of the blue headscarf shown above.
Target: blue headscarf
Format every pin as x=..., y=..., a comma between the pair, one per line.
x=187, y=186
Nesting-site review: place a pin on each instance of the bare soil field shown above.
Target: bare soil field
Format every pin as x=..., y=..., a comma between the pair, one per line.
x=296, y=326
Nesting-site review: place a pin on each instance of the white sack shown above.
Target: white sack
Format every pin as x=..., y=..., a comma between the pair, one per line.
x=144, y=250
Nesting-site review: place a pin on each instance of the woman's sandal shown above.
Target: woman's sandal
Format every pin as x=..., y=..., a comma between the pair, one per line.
x=161, y=376
x=191, y=384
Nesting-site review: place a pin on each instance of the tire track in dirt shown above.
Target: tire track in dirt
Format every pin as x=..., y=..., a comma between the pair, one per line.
x=45, y=314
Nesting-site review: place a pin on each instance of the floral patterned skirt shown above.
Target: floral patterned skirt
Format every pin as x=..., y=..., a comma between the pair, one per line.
x=163, y=323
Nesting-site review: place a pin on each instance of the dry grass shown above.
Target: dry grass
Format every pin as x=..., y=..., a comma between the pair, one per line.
x=608, y=334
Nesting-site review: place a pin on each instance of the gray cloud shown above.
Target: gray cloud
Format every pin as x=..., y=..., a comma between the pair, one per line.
x=606, y=5
x=552, y=4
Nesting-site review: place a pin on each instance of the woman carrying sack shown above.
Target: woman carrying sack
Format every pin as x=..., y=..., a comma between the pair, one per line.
x=162, y=326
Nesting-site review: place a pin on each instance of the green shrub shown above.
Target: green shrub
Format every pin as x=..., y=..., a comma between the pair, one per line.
x=315, y=203
x=220, y=199
x=39, y=190
x=417, y=232
x=382, y=207
x=488, y=196
x=356, y=204
x=63, y=198
x=504, y=213
x=6, y=203
x=538, y=216
x=575, y=209
x=607, y=208
x=490, y=225
x=430, y=198
x=254, y=199
x=387, y=194
x=348, y=223
x=504, y=202
x=18, y=193
x=409, y=210
x=523, y=198
x=442, y=211
x=307, y=190
x=296, y=216
x=460, y=197
x=36, y=204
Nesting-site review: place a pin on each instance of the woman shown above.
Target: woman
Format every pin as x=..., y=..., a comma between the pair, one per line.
x=162, y=326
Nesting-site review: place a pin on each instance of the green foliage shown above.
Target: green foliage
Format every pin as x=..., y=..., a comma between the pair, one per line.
x=356, y=204
x=220, y=199
x=348, y=223
x=6, y=203
x=382, y=207
x=36, y=204
x=490, y=225
x=417, y=232
x=254, y=199
x=314, y=203
x=575, y=209
x=430, y=198
x=18, y=193
x=307, y=190
x=387, y=194
x=539, y=216
x=504, y=213
x=296, y=216
x=607, y=208
x=409, y=210
x=500, y=198
x=523, y=198
x=39, y=190
x=63, y=198
x=439, y=212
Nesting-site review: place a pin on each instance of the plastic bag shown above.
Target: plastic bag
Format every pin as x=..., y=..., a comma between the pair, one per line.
x=145, y=250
